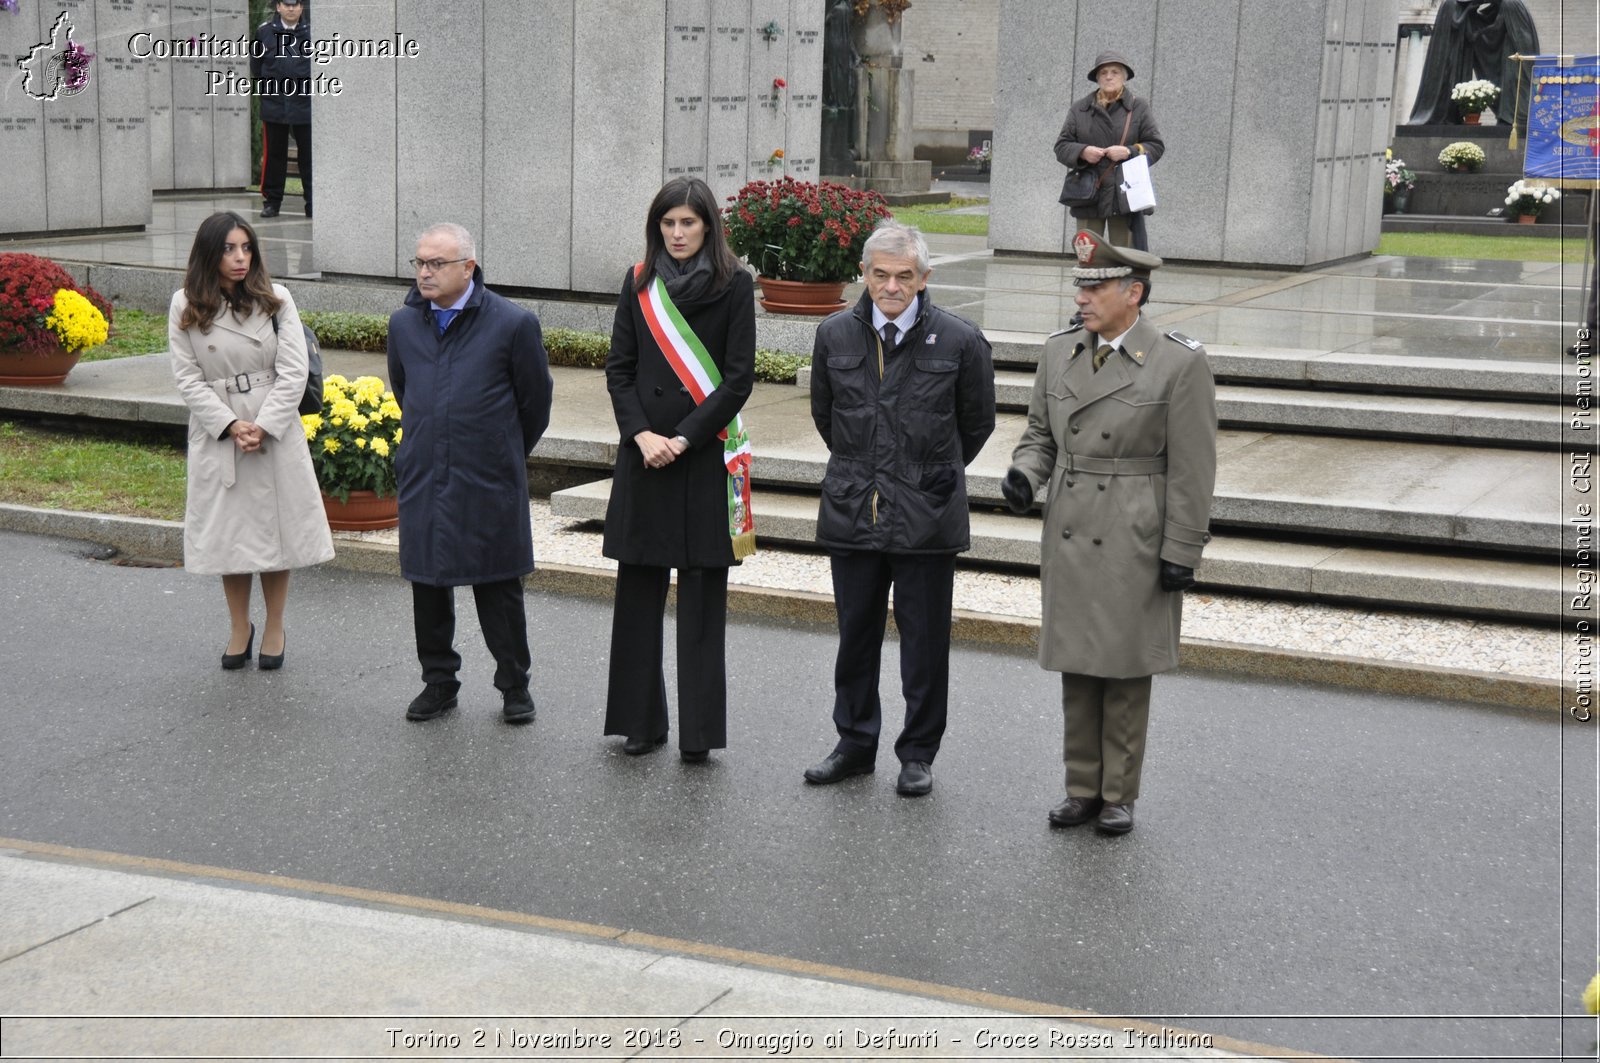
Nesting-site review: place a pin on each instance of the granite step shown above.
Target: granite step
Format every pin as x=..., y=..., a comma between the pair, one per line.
x=1284, y=409
x=1521, y=590
x=1487, y=378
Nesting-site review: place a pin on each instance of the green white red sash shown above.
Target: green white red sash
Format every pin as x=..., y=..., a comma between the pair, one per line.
x=692, y=364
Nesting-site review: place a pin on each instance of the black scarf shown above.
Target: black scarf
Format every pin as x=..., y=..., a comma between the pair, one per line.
x=688, y=283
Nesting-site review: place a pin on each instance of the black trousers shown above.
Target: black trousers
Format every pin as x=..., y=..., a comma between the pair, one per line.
x=924, y=588
x=275, y=158
x=636, y=694
x=500, y=614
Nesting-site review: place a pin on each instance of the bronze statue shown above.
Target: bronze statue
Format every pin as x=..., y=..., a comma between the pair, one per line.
x=1474, y=37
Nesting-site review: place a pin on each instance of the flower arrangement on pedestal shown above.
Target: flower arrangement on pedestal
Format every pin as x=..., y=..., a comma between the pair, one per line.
x=801, y=230
x=46, y=319
x=892, y=9
x=983, y=155
x=1472, y=98
x=1527, y=201
x=354, y=438
x=1397, y=177
x=1462, y=156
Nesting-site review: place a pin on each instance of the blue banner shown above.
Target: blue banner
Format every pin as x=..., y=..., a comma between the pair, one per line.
x=1564, y=120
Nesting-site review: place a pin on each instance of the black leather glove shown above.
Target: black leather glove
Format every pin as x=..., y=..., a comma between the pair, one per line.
x=1017, y=490
x=1176, y=577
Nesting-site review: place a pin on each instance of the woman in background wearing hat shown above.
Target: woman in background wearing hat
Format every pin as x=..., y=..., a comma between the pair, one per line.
x=1093, y=135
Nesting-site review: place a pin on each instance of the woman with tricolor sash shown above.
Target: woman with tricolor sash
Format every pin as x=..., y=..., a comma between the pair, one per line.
x=681, y=366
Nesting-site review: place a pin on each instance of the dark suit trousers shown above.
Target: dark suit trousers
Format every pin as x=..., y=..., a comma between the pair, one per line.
x=275, y=158
x=924, y=587
x=636, y=695
x=500, y=614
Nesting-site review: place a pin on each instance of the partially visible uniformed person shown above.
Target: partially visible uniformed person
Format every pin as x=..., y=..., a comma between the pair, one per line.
x=1122, y=426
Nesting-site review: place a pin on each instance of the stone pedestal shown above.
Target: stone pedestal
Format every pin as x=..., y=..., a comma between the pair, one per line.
x=586, y=110
x=885, y=93
x=1275, y=115
x=76, y=158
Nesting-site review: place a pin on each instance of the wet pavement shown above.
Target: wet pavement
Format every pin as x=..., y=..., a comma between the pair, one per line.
x=1318, y=869
x=1445, y=308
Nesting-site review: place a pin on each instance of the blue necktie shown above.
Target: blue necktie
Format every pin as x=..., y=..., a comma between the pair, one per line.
x=443, y=318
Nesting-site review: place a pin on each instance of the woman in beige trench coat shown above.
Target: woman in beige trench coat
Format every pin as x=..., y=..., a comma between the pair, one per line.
x=253, y=502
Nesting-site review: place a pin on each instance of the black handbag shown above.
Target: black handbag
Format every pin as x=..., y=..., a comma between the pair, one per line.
x=311, y=398
x=1081, y=187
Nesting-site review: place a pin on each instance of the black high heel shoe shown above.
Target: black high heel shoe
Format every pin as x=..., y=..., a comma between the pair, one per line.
x=234, y=661
x=269, y=662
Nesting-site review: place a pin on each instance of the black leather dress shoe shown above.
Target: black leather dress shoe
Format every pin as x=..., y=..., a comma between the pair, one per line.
x=836, y=767
x=232, y=662
x=518, y=706
x=435, y=698
x=271, y=662
x=1075, y=811
x=637, y=746
x=270, y=210
x=916, y=779
x=694, y=756
x=1115, y=819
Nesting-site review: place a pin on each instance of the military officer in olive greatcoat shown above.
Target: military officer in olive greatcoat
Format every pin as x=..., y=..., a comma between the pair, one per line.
x=1123, y=427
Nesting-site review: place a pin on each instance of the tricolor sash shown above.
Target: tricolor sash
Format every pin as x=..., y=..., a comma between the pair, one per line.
x=692, y=364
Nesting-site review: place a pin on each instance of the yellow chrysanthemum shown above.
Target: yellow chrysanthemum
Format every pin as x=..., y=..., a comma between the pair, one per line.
x=344, y=408
x=388, y=396
x=376, y=416
x=1591, y=996
x=335, y=380
x=312, y=422
x=358, y=421
x=390, y=409
x=337, y=422
x=380, y=447
x=397, y=432
x=331, y=445
x=76, y=321
x=361, y=442
x=331, y=392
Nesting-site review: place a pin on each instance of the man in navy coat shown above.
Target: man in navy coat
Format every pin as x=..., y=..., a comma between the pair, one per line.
x=471, y=375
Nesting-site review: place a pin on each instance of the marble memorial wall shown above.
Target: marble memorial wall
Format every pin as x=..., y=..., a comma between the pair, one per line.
x=583, y=113
x=75, y=159
x=1273, y=114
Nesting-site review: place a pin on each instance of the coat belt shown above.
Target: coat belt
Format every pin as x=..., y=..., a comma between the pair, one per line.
x=243, y=383
x=1112, y=466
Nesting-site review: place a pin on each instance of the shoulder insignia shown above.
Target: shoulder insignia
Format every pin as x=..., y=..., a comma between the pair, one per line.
x=1187, y=341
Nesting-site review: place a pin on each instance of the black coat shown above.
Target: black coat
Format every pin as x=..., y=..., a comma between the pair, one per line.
x=283, y=57
x=676, y=516
x=1089, y=124
x=473, y=403
x=899, y=447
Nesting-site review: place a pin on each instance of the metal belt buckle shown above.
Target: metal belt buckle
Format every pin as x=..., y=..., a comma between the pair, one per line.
x=241, y=383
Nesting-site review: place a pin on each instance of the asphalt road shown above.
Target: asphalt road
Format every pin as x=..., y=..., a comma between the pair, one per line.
x=1315, y=868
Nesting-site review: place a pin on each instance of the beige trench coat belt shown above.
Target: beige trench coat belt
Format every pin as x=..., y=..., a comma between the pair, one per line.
x=238, y=384
x=244, y=383
x=1112, y=466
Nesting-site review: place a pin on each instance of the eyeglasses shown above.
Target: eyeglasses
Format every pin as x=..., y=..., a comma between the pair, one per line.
x=432, y=265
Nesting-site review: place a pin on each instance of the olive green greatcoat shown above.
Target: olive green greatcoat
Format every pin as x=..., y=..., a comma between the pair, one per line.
x=1105, y=535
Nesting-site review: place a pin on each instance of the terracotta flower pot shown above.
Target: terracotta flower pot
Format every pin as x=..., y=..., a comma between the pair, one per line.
x=1527, y=219
x=364, y=512
x=801, y=297
x=30, y=368
x=1472, y=119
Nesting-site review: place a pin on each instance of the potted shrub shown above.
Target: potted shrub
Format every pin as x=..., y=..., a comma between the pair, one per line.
x=1462, y=157
x=804, y=240
x=1472, y=98
x=1527, y=201
x=353, y=441
x=46, y=320
x=1398, y=181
